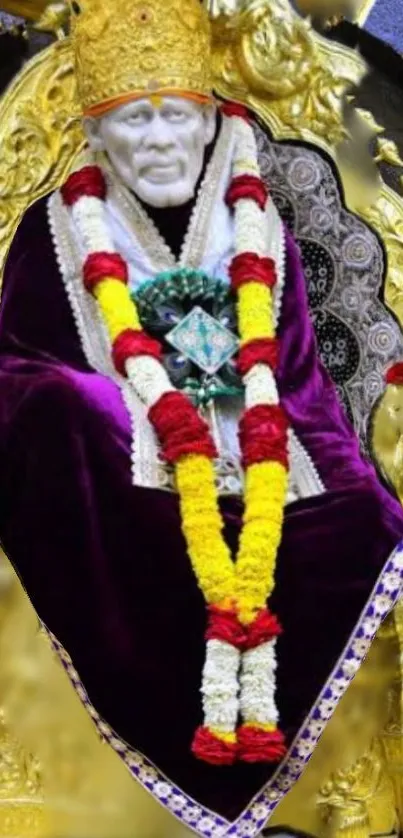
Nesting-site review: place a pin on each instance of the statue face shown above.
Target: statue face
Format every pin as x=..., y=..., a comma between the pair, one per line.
x=156, y=149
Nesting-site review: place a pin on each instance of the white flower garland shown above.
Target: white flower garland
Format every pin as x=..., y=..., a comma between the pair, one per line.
x=260, y=386
x=88, y=216
x=258, y=671
x=258, y=666
x=220, y=686
x=150, y=381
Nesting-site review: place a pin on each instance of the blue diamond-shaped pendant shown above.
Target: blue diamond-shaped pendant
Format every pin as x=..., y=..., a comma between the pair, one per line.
x=203, y=340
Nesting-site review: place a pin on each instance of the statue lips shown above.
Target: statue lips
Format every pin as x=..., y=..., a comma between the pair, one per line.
x=161, y=170
x=163, y=173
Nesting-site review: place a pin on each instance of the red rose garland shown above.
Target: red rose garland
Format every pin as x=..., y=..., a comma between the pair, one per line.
x=241, y=630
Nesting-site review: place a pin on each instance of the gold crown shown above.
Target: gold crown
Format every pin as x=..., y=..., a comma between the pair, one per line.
x=125, y=49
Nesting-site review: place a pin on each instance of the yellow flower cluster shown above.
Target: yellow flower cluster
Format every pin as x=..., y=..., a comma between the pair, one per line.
x=247, y=583
x=228, y=738
x=265, y=728
x=250, y=581
x=255, y=312
x=265, y=496
x=202, y=527
x=118, y=309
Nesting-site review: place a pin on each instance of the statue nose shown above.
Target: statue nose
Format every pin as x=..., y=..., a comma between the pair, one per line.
x=159, y=133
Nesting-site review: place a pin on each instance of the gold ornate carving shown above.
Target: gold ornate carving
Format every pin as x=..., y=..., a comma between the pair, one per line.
x=392, y=740
x=22, y=810
x=20, y=776
x=342, y=800
x=53, y=19
x=140, y=46
x=334, y=794
x=269, y=58
x=387, y=437
x=264, y=56
x=39, y=135
x=360, y=799
x=386, y=216
x=388, y=152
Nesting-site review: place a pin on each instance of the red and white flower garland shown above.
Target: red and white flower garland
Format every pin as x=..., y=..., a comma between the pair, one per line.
x=239, y=672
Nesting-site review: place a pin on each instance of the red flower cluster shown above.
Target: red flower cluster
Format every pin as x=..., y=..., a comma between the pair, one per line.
x=132, y=344
x=259, y=351
x=249, y=267
x=264, y=628
x=257, y=745
x=225, y=626
x=233, y=109
x=180, y=429
x=253, y=745
x=263, y=435
x=211, y=749
x=394, y=374
x=100, y=265
x=88, y=182
x=247, y=187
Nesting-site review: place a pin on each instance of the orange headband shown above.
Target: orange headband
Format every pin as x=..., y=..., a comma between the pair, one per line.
x=118, y=101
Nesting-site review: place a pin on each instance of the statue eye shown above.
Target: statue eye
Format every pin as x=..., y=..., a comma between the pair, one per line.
x=138, y=118
x=76, y=7
x=176, y=116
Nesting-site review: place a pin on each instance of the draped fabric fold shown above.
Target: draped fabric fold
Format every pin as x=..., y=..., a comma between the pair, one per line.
x=104, y=562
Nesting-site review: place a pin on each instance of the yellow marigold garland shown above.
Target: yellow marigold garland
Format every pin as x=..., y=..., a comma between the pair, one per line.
x=118, y=310
x=255, y=312
x=202, y=526
x=265, y=495
x=238, y=590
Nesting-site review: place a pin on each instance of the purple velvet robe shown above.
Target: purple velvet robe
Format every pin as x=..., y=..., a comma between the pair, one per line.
x=104, y=562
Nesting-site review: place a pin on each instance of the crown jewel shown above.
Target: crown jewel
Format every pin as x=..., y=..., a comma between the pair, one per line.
x=130, y=48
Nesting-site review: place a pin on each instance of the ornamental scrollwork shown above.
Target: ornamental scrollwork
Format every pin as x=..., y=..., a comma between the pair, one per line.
x=272, y=60
x=39, y=135
x=264, y=55
x=357, y=799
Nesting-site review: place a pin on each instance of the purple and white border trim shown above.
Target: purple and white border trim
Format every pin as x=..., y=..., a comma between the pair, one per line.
x=207, y=824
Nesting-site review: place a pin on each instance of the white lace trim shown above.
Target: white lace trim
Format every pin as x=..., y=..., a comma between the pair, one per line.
x=147, y=468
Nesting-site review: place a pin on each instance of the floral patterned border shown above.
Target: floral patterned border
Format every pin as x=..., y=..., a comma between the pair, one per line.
x=207, y=824
x=358, y=337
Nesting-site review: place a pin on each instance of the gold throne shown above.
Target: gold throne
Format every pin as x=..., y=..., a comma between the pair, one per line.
x=56, y=777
